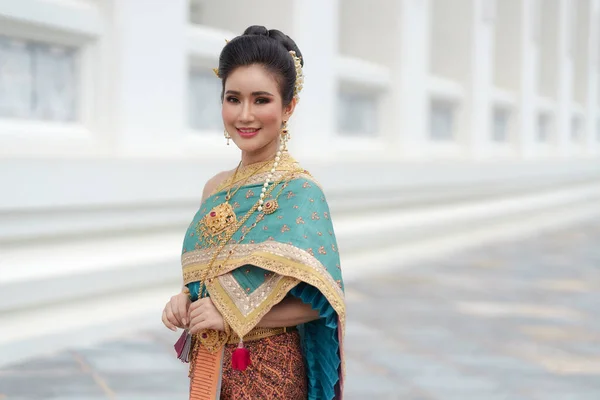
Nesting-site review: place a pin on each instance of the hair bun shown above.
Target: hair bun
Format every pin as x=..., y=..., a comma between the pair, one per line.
x=257, y=30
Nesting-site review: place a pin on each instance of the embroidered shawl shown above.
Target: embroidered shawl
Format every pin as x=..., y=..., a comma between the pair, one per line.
x=291, y=252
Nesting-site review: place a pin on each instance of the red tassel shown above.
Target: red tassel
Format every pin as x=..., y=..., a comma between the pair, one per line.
x=240, y=359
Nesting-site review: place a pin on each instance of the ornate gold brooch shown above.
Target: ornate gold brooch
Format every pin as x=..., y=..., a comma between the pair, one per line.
x=220, y=218
x=270, y=206
x=212, y=340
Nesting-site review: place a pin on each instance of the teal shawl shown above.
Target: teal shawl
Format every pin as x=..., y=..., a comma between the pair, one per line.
x=290, y=252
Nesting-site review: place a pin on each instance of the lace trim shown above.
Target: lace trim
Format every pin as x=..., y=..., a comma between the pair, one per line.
x=242, y=324
x=243, y=319
x=248, y=302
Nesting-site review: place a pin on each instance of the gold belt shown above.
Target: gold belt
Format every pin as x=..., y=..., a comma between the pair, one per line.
x=260, y=333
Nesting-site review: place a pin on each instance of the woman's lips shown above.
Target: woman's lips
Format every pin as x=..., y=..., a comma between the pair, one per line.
x=247, y=133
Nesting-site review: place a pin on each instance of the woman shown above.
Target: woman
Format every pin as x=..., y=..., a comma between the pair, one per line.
x=263, y=304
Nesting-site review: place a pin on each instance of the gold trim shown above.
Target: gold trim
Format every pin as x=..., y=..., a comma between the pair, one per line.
x=253, y=177
x=286, y=164
x=246, y=302
x=194, y=262
x=259, y=333
x=293, y=265
x=239, y=323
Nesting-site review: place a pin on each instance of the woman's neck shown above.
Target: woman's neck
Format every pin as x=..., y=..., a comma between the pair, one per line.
x=261, y=155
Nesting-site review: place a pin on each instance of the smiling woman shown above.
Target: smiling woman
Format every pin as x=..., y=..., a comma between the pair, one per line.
x=262, y=306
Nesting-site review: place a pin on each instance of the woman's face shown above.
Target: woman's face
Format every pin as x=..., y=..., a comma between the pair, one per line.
x=253, y=110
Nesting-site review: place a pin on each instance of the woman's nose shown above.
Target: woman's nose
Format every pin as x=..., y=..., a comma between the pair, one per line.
x=246, y=114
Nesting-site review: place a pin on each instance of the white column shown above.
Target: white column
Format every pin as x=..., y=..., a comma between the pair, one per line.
x=592, y=113
x=150, y=54
x=564, y=96
x=407, y=112
x=530, y=37
x=315, y=31
x=479, y=93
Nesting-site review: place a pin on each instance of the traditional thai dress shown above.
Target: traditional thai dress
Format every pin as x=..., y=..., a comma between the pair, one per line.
x=247, y=261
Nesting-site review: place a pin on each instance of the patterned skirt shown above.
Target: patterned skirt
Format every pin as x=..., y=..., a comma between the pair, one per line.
x=277, y=371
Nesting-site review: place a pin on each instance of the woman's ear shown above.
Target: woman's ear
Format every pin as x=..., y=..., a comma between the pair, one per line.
x=289, y=109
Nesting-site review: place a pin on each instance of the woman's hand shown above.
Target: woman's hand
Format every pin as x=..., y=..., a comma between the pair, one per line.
x=175, y=314
x=204, y=315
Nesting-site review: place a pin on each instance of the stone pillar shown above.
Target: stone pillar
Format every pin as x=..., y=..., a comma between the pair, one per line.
x=316, y=30
x=151, y=77
x=406, y=120
x=479, y=92
x=527, y=97
x=564, y=97
x=592, y=106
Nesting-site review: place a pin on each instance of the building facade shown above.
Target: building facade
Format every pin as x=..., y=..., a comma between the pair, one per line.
x=433, y=125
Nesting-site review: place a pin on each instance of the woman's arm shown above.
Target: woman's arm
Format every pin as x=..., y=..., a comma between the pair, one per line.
x=289, y=312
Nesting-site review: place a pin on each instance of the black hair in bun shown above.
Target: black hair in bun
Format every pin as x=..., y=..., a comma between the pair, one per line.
x=269, y=48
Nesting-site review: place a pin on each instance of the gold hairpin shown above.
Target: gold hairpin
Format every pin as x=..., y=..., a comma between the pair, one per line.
x=216, y=70
x=299, y=75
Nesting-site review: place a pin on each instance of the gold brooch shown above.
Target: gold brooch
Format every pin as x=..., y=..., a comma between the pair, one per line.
x=212, y=340
x=270, y=206
x=220, y=218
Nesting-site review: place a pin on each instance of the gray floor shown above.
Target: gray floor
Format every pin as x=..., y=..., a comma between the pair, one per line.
x=512, y=321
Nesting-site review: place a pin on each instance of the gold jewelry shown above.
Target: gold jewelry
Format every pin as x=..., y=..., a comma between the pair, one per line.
x=211, y=270
x=299, y=75
x=257, y=169
x=282, y=148
x=222, y=217
x=227, y=136
x=285, y=135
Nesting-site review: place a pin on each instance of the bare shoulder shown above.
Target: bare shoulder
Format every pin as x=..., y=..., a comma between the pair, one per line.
x=214, y=182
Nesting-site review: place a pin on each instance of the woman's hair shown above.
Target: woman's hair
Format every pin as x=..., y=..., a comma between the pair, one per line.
x=269, y=48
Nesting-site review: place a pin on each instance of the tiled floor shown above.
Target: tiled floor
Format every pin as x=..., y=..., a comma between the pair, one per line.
x=507, y=322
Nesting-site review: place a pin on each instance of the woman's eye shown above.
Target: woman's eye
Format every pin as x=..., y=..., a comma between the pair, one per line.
x=262, y=100
x=231, y=99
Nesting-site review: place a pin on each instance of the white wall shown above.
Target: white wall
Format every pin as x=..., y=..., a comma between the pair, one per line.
x=549, y=49
x=581, y=45
x=365, y=29
x=451, y=45
x=236, y=15
x=507, y=56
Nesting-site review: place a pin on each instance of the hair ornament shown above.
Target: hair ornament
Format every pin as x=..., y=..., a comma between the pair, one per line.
x=299, y=75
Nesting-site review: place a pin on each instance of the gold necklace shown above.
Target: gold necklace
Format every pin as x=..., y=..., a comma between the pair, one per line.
x=230, y=195
x=212, y=272
x=222, y=217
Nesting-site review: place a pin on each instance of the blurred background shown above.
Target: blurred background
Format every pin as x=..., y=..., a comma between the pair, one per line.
x=436, y=127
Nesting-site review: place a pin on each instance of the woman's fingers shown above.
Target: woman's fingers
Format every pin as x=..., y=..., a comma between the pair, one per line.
x=197, y=308
x=197, y=322
x=198, y=304
x=172, y=318
x=200, y=327
x=173, y=306
x=182, y=307
x=166, y=321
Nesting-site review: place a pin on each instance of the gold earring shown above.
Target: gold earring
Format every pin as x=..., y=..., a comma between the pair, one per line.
x=285, y=134
x=227, y=136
